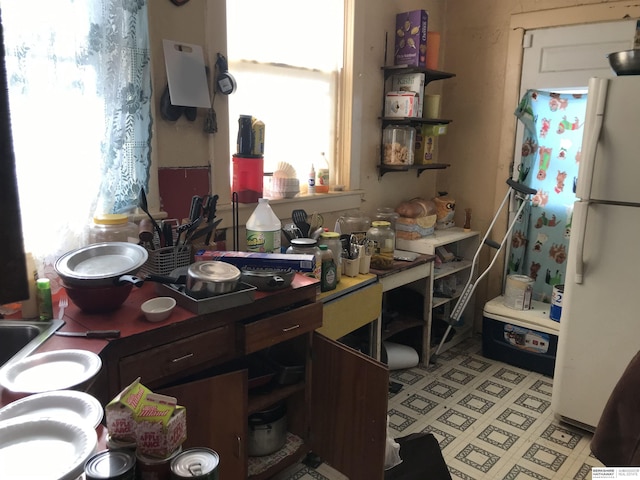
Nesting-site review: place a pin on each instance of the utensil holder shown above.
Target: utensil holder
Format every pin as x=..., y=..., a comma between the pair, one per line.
x=163, y=261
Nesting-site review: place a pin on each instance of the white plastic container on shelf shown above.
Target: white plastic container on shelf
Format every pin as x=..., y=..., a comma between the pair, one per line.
x=263, y=229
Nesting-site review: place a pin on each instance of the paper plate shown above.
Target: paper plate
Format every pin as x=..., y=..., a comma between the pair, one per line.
x=56, y=370
x=66, y=405
x=44, y=448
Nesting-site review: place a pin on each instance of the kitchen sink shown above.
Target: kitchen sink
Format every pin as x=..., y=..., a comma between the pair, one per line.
x=18, y=338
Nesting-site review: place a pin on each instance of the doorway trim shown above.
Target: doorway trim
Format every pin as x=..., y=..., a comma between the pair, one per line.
x=519, y=24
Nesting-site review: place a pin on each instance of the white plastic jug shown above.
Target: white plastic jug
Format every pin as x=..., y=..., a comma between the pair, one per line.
x=263, y=229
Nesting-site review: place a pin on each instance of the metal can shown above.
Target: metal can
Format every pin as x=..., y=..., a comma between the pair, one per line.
x=257, y=147
x=111, y=465
x=245, y=135
x=200, y=463
x=151, y=468
x=556, y=303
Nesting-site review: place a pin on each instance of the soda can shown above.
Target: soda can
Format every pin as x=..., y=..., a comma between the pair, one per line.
x=257, y=148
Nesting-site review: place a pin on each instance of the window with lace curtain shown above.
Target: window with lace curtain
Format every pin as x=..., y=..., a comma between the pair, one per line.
x=79, y=94
x=287, y=61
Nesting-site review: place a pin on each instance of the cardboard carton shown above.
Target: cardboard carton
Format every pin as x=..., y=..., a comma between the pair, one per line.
x=401, y=104
x=411, y=38
x=410, y=82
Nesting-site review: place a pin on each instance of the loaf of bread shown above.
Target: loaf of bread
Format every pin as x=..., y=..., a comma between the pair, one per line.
x=416, y=207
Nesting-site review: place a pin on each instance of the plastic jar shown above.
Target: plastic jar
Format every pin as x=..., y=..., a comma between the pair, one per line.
x=329, y=277
x=112, y=227
x=398, y=143
x=384, y=241
x=307, y=246
x=332, y=240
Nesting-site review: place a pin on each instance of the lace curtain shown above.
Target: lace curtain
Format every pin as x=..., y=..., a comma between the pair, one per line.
x=80, y=90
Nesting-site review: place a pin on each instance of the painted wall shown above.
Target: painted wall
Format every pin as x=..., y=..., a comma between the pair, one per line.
x=477, y=45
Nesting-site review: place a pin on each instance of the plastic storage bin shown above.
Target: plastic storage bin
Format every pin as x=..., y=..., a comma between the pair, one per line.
x=522, y=338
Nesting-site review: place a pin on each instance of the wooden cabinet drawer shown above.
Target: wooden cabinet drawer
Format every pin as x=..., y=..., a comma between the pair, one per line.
x=176, y=357
x=265, y=332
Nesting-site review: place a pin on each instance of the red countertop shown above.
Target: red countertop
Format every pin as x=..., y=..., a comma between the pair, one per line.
x=129, y=319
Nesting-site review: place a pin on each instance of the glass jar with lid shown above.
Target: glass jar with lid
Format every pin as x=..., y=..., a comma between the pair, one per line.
x=398, y=144
x=332, y=240
x=307, y=246
x=112, y=227
x=384, y=243
x=387, y=214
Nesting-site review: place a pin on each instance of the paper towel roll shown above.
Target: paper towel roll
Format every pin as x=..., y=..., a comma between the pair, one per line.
x=400, y=356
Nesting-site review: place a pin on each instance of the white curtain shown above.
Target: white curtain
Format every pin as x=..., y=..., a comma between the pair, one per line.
x=80, y=90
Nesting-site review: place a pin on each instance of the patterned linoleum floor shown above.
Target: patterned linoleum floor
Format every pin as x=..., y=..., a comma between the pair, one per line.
x=492, y=420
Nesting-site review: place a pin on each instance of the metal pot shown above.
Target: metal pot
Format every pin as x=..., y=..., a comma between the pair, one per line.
x=266, y=279
x=211, y=277
x=267, y=431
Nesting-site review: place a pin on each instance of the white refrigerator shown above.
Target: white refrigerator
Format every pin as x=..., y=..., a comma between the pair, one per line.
x=600, y=322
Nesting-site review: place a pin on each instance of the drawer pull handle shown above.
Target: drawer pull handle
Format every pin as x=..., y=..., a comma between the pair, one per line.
x=290, y=328
x=184, y=357
x=239, y=446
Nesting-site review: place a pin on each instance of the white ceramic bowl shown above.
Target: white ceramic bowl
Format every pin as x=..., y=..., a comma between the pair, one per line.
x=158, y=309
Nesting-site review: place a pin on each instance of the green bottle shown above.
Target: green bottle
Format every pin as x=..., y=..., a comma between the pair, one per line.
x=45, y=306
x=328, y=278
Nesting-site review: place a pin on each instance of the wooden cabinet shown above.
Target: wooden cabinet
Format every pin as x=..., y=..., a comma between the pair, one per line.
x=430, y=76
x=449, y=278
x=337, y=409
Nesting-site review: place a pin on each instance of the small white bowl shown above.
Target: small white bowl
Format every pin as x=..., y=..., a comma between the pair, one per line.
x=158, y=309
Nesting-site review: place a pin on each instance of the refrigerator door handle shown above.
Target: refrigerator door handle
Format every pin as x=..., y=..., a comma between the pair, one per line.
x=597, y=98
x=580, y=210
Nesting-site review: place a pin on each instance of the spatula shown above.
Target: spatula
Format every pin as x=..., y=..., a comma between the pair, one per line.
x=299, y=217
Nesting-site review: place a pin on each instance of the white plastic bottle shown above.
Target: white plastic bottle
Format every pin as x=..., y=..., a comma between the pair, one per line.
x=263, y=229
x=312, y=181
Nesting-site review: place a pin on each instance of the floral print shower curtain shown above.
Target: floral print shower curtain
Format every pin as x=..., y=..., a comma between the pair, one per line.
x=551, y=145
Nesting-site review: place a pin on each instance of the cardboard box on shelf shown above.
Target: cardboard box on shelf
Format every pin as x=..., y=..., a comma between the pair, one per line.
x=410, y=82
x=426, y=143
x=411, y=38
x=401, y=104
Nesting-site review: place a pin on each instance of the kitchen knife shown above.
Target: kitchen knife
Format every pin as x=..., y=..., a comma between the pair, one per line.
x=91, y=334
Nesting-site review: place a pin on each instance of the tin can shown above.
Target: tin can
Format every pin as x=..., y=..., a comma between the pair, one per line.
x=556, y=303
x=151, y=468
x=245, y=135
x=111, y=465
x=518, y=291
x=257, y=147
x=199, y=463
x=117, y=444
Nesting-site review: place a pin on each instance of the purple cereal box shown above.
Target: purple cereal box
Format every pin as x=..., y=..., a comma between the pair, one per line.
x=411, y=38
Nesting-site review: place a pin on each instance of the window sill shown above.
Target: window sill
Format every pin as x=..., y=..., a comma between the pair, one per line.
x=282, y=207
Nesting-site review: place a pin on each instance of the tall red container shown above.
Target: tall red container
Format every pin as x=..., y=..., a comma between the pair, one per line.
x=248, y=173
